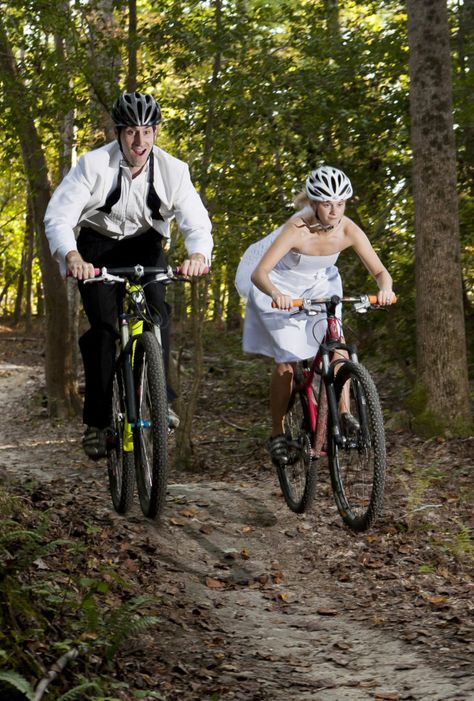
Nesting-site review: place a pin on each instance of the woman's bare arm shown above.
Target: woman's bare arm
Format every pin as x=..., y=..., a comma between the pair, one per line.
x=287, y=240
x=364, y=249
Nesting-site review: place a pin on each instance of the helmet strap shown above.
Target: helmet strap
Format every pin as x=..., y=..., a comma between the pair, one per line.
x=119, y=131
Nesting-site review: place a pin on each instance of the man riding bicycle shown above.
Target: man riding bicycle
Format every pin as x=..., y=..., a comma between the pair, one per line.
x=122, y=197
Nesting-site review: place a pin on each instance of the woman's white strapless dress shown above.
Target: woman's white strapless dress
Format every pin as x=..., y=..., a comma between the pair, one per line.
x=282, y=335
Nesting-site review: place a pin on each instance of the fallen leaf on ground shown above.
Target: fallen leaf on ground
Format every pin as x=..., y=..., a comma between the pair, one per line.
x=213, y=583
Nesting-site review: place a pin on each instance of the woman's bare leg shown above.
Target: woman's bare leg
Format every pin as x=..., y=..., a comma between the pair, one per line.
x=350, y=425
x=281, y=385
x=344, y=401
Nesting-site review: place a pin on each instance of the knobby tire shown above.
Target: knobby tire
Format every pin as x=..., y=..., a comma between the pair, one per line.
x=358, y=468
x=120, y=464
x=151, y=431
x=298, y=478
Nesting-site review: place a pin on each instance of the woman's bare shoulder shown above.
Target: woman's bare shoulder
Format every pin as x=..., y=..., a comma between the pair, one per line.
x=351, y=229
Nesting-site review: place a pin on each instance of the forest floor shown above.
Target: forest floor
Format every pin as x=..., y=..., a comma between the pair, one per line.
x=255, y=603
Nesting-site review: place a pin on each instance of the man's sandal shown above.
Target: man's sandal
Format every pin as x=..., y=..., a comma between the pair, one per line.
x=278, y=448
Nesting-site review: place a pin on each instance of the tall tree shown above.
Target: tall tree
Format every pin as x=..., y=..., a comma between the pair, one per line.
x=58, y=356
x=441, y=342
x=199, y=297
x=132, y=46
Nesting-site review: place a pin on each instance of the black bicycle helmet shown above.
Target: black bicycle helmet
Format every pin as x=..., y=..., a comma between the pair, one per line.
x=328, y=183
x=135, y=109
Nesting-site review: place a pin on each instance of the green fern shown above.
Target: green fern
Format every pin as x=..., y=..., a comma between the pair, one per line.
x=78, y=691
x=463, y=545
x=15, y=680
x=126, y=622
x=132, y=629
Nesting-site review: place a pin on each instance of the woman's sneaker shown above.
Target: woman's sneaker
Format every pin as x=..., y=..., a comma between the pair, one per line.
x=350, y=425
x=278, y=449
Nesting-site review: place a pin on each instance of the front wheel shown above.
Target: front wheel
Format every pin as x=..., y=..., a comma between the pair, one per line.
x=298, y=477
x=150, y=435
x=357, y=463
x=120, y=462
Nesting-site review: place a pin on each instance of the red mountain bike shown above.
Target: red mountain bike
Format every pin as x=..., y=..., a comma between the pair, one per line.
x=314, y=429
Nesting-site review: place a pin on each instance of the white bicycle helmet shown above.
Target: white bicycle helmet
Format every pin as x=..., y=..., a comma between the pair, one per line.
x=135, y=109
x=327, y=183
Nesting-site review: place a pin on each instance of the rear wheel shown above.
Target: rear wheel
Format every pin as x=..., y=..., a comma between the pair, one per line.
x=120, y=464
x=357, y=466
x=151, y=431
x=298, y=478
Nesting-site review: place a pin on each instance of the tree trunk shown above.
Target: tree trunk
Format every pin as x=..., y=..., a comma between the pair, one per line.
x=105, y=62
x=57, y=352
x=184, y=452
x=441, y=342
x=465, y=45
x=30, y=250
x=234, y=310
x=66, y=157
x=132, y=46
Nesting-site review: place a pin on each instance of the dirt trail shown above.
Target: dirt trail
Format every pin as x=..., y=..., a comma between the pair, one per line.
x=264, y=612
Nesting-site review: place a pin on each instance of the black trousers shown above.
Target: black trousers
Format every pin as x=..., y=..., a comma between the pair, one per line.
x=100, y=302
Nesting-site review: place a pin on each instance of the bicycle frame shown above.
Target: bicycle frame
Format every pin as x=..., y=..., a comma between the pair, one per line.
x=324, y=365
x=341, y=420
x=129, y=328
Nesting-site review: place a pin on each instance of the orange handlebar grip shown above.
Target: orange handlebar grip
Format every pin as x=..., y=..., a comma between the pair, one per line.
x=373, y=299
x=299, y=302
x=294, y=303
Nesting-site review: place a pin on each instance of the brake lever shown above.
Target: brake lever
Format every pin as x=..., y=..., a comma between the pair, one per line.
x=107, y=278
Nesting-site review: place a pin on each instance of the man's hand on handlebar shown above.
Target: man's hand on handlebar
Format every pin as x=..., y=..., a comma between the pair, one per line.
x=195, y=265
x=77, y=266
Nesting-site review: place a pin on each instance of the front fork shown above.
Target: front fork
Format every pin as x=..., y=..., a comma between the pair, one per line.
x=329, y=374
x=129, y=329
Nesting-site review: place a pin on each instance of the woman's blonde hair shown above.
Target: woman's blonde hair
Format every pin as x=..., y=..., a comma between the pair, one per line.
x=301, y=200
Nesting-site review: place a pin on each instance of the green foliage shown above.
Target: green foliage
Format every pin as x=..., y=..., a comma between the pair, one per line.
x=79, y=692
x=254, y=95
x=39, y=601
x=416, y=482
x=460, y=545
x=426, y=569
x=425, y=421
x=110, y=630
x=16, y=681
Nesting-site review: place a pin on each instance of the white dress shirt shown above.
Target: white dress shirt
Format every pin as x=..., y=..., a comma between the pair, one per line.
x=80, y=195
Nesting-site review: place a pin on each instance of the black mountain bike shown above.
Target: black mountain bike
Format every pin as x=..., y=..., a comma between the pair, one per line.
x=138, y=445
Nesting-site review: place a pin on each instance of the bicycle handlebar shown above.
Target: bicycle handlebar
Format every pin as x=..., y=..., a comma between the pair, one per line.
x=137, y=271
x=360, y=301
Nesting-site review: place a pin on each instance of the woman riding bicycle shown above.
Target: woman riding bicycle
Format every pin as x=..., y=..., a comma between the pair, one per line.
x=299, y=262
